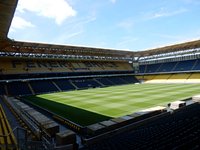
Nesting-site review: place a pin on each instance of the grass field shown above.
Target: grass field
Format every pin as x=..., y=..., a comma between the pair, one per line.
x=89, y=106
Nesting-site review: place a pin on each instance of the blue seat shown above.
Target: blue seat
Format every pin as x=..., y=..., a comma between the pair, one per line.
x=18, y=88
x=173, y=131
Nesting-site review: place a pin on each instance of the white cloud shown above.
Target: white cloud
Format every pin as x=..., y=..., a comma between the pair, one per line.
x=86, y=20
x=73, y=34
x=20, y=23
x=63, y=38
x=74, y=29
x=164, y=13
x=113, y=1
x=58, y=10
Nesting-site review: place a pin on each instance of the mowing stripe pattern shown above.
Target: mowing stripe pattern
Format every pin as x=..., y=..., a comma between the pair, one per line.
x=117, y=101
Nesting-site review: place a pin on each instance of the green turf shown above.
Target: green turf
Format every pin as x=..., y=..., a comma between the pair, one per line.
x=93, y=105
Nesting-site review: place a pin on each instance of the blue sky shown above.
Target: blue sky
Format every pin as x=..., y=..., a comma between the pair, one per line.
x=117, y=24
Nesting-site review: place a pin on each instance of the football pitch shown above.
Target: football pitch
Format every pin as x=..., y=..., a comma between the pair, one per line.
x=85, y=107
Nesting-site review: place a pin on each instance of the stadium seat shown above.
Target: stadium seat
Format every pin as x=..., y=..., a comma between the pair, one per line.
x=7, y=138
x=167, y=67
x=64, y=84
x=178, y=78
x=85, y=83
x=179, y=130
x=2, y=89
x=43, y=86
x=18, y=88
x=184, y=65
x=159, y=78
x=196, y=65
x=194, y=78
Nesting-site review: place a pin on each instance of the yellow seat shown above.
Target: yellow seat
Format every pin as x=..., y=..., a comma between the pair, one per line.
x=6, y=134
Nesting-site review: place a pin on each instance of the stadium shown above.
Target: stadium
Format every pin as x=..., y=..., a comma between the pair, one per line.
x=59, y=97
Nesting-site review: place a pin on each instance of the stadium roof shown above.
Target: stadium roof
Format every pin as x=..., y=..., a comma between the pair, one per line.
x=41, y=48
x=7, y=10
x=172, y=48
x=7, y=46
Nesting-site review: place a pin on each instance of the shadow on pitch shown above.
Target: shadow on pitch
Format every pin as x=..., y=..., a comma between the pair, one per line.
x=77, y=115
